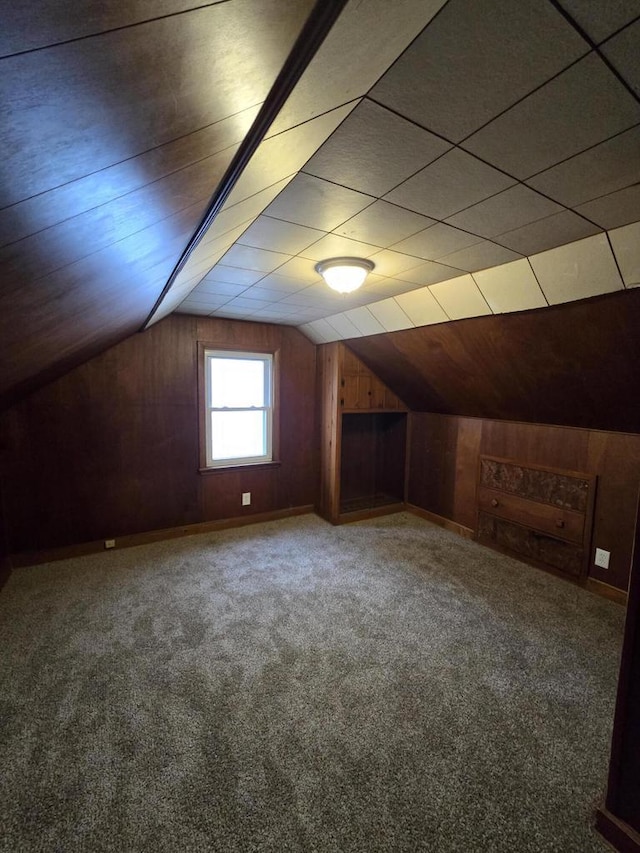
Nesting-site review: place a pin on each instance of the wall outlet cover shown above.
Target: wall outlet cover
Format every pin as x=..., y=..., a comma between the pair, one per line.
x=109, y=543
x=246, y=499
x=602, y=558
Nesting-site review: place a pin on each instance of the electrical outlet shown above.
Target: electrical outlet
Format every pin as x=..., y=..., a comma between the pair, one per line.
x=246, y=499
x=109, y=543
x=602, y=558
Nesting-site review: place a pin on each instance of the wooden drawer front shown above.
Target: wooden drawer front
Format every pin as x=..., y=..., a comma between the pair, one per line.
x=561, y=523
x=560, y=490
x=530, y=544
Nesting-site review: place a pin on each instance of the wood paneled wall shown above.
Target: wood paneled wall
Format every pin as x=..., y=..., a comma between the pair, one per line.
x=5, y=565
x=444, y=454
x=619, y=820
x=111, y=448
x=373, y=456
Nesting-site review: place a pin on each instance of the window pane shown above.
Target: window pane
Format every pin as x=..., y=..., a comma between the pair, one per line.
x=235, y=435
x=237, y=382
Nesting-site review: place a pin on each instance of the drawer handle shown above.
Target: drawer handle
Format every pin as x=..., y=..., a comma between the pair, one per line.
x=559, y=523
x=495, y=502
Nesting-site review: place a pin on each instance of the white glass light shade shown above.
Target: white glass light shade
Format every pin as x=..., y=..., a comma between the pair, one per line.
x=344, y=274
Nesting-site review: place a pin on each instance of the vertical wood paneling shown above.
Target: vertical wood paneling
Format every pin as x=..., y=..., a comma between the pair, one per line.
x=536, y=444
x=616, y=460
x=466, y=459
x=373, y=456
x=5, y=566
x=444, y=457
x=330, y=429
x=432, y=470
x=391, y=449
x=623, y=791
x=444, y=461
x=112, y=448
x=358, y=458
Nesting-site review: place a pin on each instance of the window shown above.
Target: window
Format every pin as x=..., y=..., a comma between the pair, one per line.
x=238, y=408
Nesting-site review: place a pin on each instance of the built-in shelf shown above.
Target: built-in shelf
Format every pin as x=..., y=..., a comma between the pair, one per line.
x=364, y=435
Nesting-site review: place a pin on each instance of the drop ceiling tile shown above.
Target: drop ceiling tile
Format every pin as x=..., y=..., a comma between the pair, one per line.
x=310, y=331
x=306, y=315
x=480, y=256
x=333, y=246
x=600, y=20
x=233, y=275
x=281, y=284
x=615, y=209
x=197, y=297
x=626, y=247
x=299, y=269
x=370, y=36
x=440, y=82
x=460, y=298
x=278, y=157
x=258, y=260
x=510, y=287
x=274, y=300
x=364, y=321
x=383, y=224
x=622, y=50
x=389, y=263
x=312, y=298
x=182, y=284
x=220, y=288
x=455, y=181
x=584, y=105
x=390, y=315
x=556, y=230
x=243, y=212
x=231, y=313
x=577, y=270
x=272, y=316
x=605, y=168
x=434, y=242
x=190, y=309
x=279, y=236
x=203, y=305
x=429, y=273
x=357, y=155
x=192, y=271
x=421, y=307
x=263, y=294
x=507, y=210
x=326, y=330
x=310, y=201
x=241, y=302
x=344, y=327
x=211, y=248
x=387, y=287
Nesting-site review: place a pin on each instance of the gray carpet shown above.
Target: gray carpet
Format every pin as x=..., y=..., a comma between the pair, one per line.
x=383, y=686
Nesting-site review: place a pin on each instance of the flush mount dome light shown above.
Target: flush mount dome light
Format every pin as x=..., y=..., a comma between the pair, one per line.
x=344, y=274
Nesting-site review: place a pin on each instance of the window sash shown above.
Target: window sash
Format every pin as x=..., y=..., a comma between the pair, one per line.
x=267, y=362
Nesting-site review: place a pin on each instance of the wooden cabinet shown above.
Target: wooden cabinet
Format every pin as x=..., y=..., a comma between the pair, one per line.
x=542, y=515
x=363, y=438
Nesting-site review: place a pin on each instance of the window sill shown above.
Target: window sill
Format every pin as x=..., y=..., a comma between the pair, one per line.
x=226, y=468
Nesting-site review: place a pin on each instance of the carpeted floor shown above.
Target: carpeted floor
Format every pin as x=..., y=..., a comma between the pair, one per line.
x=382, y=686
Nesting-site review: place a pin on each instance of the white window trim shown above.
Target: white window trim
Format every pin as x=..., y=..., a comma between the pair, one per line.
x=268, y=361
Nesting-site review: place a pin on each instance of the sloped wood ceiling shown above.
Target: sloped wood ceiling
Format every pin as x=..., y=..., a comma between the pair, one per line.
x=119, y=119
x=575, y=364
